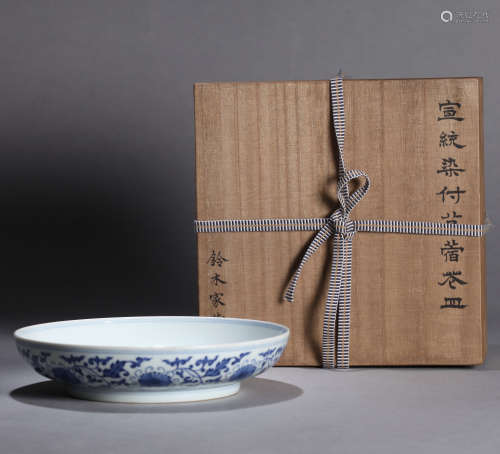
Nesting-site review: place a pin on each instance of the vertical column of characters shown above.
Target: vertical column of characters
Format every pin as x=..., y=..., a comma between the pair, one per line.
x=216, y=261
x=451, y=195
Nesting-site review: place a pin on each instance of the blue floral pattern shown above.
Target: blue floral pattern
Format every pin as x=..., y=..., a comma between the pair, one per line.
x=243, y=372
x=154, y=379
x=149, y=371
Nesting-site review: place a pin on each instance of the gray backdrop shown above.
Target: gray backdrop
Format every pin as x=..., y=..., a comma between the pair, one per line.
x=96, y=129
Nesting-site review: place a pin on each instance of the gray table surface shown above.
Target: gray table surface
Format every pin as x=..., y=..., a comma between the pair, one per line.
x=292, y=410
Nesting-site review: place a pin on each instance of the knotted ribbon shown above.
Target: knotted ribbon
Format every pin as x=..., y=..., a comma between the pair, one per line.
x=339, y=227
x=342, y=228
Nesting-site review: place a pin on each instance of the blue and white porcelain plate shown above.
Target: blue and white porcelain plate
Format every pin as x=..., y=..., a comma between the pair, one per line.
x=152, y=359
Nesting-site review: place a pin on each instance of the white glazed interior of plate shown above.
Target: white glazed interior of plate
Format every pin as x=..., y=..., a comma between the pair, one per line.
x=151, y=332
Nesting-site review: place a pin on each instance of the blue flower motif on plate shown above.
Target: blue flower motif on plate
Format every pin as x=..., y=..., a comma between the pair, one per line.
x=65, y=375
x=155, y=379
x=121, y=371
x=243, y=372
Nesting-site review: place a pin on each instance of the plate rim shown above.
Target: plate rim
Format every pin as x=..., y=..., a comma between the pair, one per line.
x=279, y=338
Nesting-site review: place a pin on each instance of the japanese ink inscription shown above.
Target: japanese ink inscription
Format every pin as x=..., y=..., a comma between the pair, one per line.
x=451, y=170
x=216, y=296
x=264, y=150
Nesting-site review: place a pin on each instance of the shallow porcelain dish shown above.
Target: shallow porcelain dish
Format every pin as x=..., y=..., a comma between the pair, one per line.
x=152, y=359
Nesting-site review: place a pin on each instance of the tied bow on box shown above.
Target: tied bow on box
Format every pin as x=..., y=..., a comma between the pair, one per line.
x=339, y=227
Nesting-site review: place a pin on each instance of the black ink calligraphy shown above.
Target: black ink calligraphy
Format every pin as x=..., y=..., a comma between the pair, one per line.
x=452, y=279
x=452, y=194
x=453, y=303
x=449, y=110
x=451, y=218
x=451, y=251
x=216, y=259
x=450, y=168
x=449, y=139
x=216, y=299
x=217, y=280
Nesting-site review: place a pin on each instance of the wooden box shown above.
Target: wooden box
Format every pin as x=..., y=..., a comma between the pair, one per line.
x=264, y=150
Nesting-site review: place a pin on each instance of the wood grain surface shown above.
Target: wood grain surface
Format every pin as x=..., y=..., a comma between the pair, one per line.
x=265, y=150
